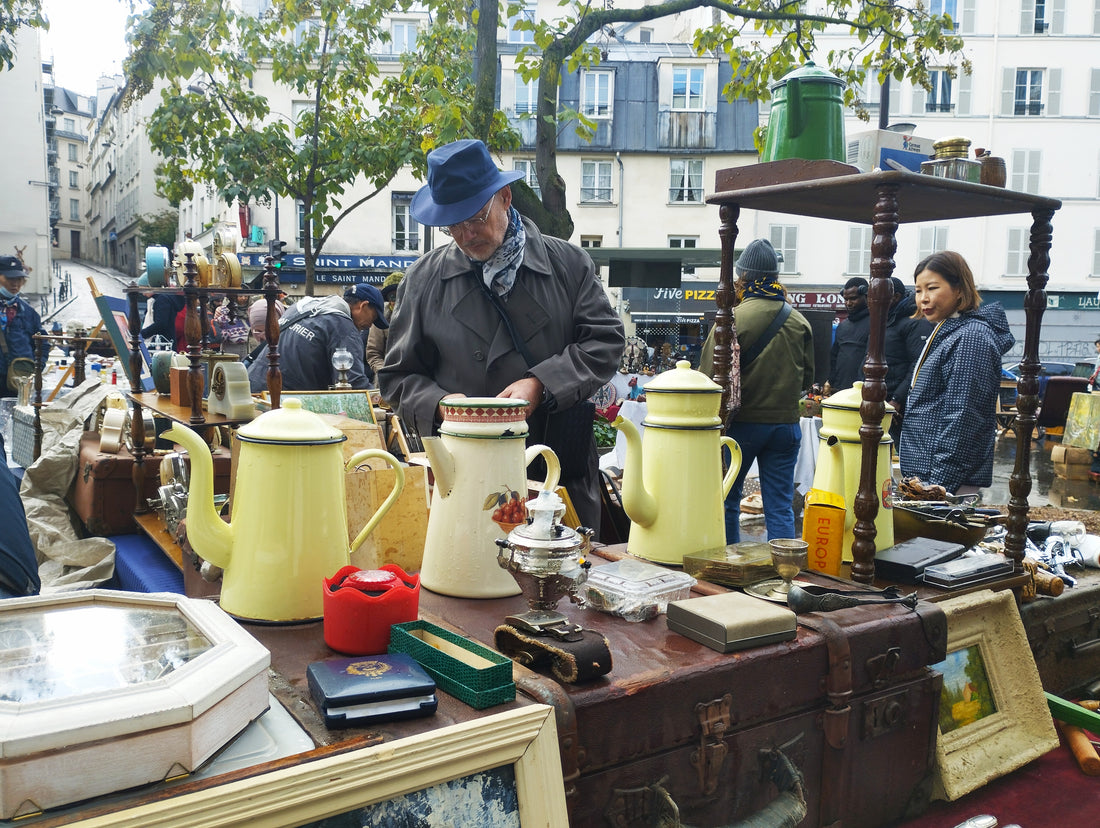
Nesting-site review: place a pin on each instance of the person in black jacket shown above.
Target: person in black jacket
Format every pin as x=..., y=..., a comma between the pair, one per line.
x=166, y=308
x=849, y=350
x=905, y=338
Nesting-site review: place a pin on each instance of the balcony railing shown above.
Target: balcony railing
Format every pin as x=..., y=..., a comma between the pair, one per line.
x=1029, y=108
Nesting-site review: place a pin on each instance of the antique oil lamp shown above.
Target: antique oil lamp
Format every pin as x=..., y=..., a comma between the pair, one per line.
x=341, y=361
x=547, y=561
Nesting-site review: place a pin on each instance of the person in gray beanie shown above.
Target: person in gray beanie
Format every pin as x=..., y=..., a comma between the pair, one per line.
x=777, y=365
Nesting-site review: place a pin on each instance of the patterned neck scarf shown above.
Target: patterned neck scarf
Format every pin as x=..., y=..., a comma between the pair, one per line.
x=763, y=287
x=499, y=270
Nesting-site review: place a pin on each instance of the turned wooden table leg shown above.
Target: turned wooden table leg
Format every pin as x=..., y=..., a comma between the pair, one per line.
x=873, y=407
x=1027, y=398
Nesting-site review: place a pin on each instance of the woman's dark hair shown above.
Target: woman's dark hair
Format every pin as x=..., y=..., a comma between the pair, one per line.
x=956, y=272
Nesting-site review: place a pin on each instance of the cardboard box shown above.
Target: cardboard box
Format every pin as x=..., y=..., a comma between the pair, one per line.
x=1072, y=471
x=361, y=434
x=399, y=537
x=1068, y=454
x=180, y=389
x=868, y=150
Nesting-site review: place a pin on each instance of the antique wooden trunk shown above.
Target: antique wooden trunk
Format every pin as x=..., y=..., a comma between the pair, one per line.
x=1064, y=635
x=102, y=493
x=851, y=702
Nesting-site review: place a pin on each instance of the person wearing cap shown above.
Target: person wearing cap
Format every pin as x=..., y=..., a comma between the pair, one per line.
x=312, y=330
x=19, y=322
x=766, y=427
x=449, y=338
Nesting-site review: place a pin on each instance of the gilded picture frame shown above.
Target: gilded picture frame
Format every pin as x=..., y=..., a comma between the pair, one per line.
x=993, y=714
x=524, y=740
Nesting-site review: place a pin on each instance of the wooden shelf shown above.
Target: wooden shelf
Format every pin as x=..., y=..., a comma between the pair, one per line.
x=153, y=526
x=164, y=406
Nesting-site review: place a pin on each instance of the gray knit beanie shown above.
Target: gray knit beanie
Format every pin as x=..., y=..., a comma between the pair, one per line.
x=758, y=261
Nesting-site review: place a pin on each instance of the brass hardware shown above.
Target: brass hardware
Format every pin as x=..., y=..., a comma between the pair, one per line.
x=884, y=714
x=881, y=667
x=714, y=722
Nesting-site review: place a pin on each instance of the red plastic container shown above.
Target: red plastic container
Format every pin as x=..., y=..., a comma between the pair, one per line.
x=358, y=616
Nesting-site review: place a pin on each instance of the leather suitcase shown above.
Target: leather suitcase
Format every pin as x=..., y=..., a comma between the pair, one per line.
x=851, y=702
x=102, y=493
x=1064, y=634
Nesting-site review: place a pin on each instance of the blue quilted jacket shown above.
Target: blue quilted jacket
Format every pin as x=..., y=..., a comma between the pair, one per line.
x=20, y=335
x=950, y=425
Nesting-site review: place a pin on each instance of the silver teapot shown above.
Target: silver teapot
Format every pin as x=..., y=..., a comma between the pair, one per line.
x=547, y=560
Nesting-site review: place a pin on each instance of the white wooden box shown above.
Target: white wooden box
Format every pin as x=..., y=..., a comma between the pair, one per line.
x=103, y=690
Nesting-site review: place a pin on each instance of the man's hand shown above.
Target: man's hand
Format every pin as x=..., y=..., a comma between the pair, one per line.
x=526, y=388
x=448, y=397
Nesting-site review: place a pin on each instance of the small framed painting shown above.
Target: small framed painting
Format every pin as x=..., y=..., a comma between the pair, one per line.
x=993, y=714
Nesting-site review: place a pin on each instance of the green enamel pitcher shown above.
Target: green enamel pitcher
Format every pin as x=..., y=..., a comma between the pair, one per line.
x=807, y=116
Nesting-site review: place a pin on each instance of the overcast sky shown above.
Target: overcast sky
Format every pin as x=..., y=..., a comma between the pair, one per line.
x=86, y=39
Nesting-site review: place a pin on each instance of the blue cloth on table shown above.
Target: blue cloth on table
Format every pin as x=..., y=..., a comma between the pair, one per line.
x=141, y=566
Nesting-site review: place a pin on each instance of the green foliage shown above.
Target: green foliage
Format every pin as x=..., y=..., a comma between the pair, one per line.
x=14, y=14
x=215, y=125
x=159, y=228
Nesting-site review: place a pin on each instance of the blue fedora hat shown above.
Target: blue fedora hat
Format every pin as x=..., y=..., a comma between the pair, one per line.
x=461, y=179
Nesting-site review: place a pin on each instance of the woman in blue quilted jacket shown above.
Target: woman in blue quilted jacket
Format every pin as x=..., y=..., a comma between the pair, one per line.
x=949, y=428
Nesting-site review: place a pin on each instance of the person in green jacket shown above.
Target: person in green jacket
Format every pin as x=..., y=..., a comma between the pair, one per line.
x=766, y=426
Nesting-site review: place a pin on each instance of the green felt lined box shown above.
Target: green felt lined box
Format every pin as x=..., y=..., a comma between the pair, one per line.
x=470, y=672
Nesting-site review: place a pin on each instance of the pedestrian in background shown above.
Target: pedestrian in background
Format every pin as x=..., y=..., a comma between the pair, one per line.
x=19, y=322
x=948, y=433
x=849, y=350
x=377, y=337
x=766, y=427
x=312, y=330
x=1096, y=364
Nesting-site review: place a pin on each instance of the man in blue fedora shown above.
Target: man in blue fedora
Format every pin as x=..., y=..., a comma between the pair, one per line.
x=501, y=311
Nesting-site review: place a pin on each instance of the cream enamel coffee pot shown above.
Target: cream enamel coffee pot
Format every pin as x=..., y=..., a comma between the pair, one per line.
x=480, y=467
x=673, y=487
x=289, y=528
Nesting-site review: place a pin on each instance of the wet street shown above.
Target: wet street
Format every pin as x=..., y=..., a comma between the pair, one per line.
x=80, y=306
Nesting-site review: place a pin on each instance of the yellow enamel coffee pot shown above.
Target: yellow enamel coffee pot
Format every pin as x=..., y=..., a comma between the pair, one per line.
x=289, y=528
x=840, y=455
x=673, y=487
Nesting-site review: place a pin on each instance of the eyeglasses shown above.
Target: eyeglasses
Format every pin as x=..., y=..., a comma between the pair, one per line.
x=471, y=223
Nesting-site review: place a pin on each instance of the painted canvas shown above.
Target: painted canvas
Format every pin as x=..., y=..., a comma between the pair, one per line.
x=967, y=696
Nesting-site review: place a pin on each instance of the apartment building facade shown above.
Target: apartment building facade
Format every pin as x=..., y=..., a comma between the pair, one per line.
x=72, y=116
x=25, y=176
x=1033, y=98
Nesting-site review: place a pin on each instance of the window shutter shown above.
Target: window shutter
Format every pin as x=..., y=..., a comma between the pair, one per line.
x=1008, y=91
x=1027, y=17
x=1019, y=169
x=1094, y=93
x=1015, y=248
x=1054, y=92
x=963, y=105
x=855, y=253
x=968, y=15
x=920, y=97
x=1058, y=17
